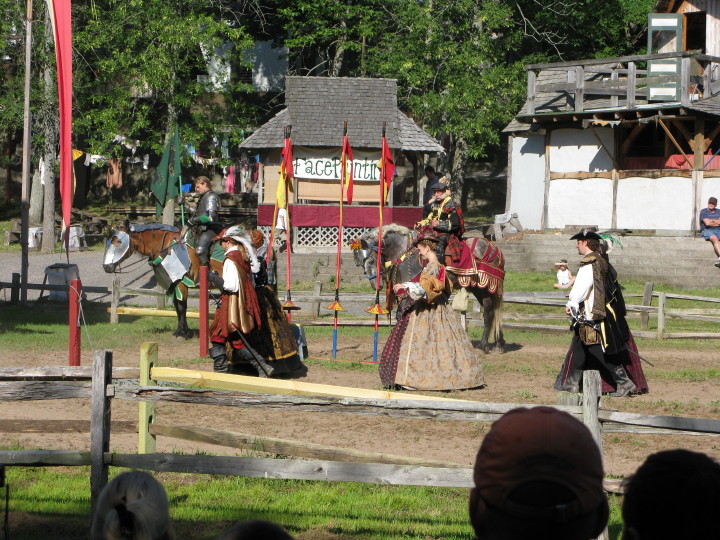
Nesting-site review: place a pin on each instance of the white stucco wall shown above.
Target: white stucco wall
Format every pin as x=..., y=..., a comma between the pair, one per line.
x=655, y=203
x=573, y=150
x=580, y=202
x=527, y=179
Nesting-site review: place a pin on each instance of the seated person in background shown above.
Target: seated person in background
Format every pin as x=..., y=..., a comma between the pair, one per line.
x=256, y=529
x=565, y=279
x=132, y=505
x=685, y=483
x=538, y=475
x=710, y=226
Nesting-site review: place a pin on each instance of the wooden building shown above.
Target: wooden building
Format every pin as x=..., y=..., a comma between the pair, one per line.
x=317, y=109
x=624, y=143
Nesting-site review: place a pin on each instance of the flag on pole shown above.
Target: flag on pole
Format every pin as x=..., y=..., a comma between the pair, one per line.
x=166, y=186
x=61, y=22
x=347, y=168
x=287, y=173
x=387, y=169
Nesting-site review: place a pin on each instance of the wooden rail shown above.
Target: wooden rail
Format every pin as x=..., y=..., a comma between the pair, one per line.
x=346, y=465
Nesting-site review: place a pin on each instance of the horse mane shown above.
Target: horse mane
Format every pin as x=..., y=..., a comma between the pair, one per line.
x=371, y=236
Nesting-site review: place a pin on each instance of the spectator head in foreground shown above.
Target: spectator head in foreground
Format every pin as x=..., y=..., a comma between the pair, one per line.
x=256, y=529
x=538, y=474
x=674, y=494
x=132, y=506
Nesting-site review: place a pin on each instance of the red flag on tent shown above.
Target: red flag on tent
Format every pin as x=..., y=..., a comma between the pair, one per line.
x=347, y=169
x=61, y=22
x=387, y=169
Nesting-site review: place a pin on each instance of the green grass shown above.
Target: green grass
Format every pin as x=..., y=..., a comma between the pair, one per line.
x=58, y=499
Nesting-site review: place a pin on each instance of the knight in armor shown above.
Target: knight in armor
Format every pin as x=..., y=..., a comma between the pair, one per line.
x=598, y=322
x=204, y=221
x=239, y=311
x=445, y=217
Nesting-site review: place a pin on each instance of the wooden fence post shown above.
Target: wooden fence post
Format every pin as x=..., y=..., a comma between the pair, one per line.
x=592, y=385
x=115, y=301
x=99, y=424
x=646, y=301
x=591, y=403
x=661, y=316
x=15, y=288
x=315, y=306
x=147, y=442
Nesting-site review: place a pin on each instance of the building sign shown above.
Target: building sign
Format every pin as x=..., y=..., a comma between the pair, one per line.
x=320, y=164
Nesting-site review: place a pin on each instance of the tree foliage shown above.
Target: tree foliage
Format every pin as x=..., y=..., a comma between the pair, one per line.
x=142, y=66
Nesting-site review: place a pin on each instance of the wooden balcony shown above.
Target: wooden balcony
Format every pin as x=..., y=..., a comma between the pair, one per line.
x=609, y=87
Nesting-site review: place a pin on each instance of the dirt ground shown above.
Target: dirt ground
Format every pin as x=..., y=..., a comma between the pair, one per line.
x=523, y=374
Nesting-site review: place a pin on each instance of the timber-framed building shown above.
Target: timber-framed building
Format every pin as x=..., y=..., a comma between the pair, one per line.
x=629, y=143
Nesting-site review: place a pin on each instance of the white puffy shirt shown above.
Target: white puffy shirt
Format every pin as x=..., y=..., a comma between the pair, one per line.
x=231, y=278
x=583, y=290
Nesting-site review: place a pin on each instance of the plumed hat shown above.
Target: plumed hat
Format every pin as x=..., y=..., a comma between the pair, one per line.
x=586, y=234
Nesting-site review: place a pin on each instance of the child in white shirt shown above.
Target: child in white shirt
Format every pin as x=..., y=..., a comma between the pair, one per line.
x=565, y=278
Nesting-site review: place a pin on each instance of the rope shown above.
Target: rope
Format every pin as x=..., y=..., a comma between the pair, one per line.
x=82, y=317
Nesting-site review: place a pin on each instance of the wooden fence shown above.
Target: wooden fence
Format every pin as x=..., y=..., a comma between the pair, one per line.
x=519, y=321
x=100, y=385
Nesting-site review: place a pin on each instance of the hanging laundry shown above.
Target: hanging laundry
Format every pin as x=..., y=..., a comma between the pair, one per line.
x=230, y=180
x=114, y=173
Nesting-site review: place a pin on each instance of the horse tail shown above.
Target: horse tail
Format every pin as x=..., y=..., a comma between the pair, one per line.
x=496, y=329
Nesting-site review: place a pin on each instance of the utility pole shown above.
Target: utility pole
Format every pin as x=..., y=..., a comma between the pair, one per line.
x=25, y=198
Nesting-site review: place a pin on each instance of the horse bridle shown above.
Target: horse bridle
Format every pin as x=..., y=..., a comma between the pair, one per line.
x=366, y=255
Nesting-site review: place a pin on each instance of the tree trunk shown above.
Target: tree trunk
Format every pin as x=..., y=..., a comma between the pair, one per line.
x=168, y=214
x=36, y=198
x=49, y=121
x=458, y=165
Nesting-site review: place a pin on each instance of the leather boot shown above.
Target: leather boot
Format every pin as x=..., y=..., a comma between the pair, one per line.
x=572, y=383
x=624, y=385
x=220, y=363
x=255, y=360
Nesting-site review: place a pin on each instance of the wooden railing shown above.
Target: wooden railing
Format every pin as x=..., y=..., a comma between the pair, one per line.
x=586, y=78
x=21, y=384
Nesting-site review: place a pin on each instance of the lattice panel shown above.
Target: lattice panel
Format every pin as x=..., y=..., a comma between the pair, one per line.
x=325, y=236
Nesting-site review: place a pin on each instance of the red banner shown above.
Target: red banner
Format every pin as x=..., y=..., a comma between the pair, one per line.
x=60, y=14
x=388, y=169
x=326, y=215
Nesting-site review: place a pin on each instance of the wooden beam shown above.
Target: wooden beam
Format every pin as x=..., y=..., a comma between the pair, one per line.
x=474, y=411
x=580, y=175
x=210, y=379
x=326, y=471
x=290, y=448
x=630, y=139
x=684, y=131
x=704, y=425
x=63, y=373
x=608, y=152
x=152, y=312
x=669, y=134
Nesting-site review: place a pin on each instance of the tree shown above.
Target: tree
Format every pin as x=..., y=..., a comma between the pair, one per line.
x=142, y=67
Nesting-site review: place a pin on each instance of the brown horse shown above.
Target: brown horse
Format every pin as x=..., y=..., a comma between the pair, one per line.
x=486, y=284
x=154, y=241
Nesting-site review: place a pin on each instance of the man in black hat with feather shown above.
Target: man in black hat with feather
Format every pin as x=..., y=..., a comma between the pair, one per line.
x=595, y=328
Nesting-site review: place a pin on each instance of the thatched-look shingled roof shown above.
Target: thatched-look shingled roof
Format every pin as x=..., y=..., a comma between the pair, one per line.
x=317, y=108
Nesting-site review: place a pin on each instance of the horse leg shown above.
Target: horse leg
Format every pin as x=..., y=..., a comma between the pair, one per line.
x=497, y=323
x=486, y=302
x=181, y=310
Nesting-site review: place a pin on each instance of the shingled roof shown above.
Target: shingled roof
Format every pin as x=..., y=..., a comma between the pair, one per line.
x=317, y=108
